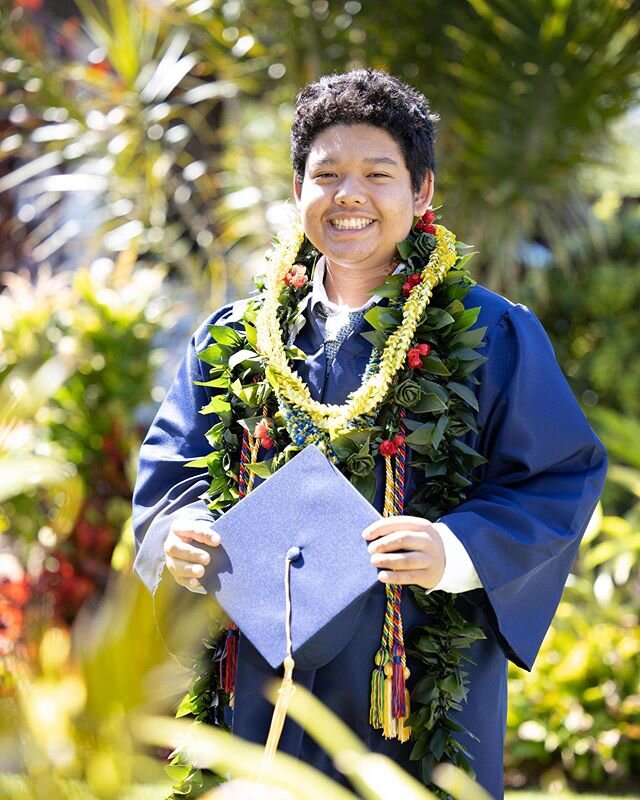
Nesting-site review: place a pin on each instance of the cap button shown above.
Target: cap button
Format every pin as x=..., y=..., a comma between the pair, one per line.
x=293, y=553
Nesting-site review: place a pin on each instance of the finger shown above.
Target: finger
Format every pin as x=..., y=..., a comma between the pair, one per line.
x=418, y=577
x=178, y=548
x=196, y=530
x=184, y=569
x=402, y=540
x=401, y=561
x=192, y=584
x=390, y=524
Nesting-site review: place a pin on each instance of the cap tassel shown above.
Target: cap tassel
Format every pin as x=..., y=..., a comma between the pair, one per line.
x=287, y=687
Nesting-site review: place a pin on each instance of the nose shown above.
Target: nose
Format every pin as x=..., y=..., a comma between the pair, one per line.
x=350, y=192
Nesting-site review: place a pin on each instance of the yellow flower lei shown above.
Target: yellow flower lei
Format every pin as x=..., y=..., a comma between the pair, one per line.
x=365, y=399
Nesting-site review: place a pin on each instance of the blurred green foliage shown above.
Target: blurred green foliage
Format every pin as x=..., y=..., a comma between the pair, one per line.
x=576, y=719
x=156, y=133
x=592, y=317
x=97, y=326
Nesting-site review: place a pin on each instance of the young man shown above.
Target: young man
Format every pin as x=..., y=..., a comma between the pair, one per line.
x=362, y=151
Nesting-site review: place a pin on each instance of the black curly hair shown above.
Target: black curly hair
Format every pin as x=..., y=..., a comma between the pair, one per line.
x=370, y=97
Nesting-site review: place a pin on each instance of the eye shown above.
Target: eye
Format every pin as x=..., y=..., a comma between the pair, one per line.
x=379, y=175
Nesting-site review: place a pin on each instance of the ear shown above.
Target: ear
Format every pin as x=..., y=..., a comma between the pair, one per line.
x=424, y=195
x=297, y=189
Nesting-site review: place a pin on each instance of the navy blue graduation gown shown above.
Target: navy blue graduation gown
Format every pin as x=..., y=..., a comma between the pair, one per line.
x=521, y=524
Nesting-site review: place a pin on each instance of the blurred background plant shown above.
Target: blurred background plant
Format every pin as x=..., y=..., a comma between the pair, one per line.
x=143, y=166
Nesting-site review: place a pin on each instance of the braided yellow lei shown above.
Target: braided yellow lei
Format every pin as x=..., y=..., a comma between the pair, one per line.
x=366, y=399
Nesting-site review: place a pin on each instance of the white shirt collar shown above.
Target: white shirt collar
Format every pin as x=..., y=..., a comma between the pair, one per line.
x=319, y=293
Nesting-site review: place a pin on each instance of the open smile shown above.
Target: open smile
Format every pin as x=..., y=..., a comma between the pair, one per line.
x=351, y=223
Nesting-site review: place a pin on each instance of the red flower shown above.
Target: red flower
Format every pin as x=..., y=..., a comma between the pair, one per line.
x=425, y=223
x=388, y=448
x=412, y=280
x=297, y=276
x=414, y=359
x=424, y=349
x=298, y=281
x=263, y=431
x=398, y=440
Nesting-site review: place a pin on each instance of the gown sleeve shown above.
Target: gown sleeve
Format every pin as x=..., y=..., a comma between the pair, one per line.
x=164, y=485
x=522, y=523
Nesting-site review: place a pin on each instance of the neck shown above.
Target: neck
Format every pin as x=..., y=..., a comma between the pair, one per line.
x=353, y=287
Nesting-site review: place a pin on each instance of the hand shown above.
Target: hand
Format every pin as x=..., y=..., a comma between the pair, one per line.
x=407, y=550
x=185, y=561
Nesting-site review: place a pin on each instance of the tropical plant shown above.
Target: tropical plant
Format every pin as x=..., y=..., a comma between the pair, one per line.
x=95, y=332
x=83, y=704
x=115, y=144
x=595, y=329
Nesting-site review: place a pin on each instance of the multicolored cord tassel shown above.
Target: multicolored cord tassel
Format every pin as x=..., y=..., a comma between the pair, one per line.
x=390, y=705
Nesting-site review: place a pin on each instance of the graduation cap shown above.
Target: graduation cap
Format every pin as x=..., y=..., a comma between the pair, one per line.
x=291, y=551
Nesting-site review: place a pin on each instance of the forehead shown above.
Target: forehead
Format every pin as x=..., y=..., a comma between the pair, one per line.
x=362, y=143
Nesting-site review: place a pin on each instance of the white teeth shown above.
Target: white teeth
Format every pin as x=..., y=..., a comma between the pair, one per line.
x=351, y=224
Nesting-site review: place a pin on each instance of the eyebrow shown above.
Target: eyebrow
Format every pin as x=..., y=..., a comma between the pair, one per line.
x=323, y=162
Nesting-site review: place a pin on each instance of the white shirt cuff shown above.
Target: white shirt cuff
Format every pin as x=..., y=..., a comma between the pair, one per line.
x=459, y=573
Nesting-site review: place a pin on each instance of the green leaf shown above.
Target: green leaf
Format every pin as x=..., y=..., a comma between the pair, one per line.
x=244, y=356
x=464, y=353
x=429, y=403
x=404, y=248
x=295, y=353
x=252, y=334
x=437, y=318
x=434, y=388
x=215, y=383
x=462, y=261
x=382, y=318
x=216, y=355
x=392, y=287
x=464, y=392
x=422, y=436
x=224, y=335
x=198, y=463
x=249, y=423
x=473, y=338
x=468, y=317
x=252, y=395
x=439, y=431
x=435, y=365
x=475, y=457
x=219, y=405
x=350, y=442
x=437, y=743
x=177, y=772
x=366, y=485
x=377, y=338
x=263, y=469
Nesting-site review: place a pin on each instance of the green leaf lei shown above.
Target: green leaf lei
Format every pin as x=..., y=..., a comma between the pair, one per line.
x=440, y=404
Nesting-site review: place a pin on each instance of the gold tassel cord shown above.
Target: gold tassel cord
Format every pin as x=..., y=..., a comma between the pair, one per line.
x=287, y=688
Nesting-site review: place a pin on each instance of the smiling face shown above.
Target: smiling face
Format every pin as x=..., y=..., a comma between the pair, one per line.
x=356, y=199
